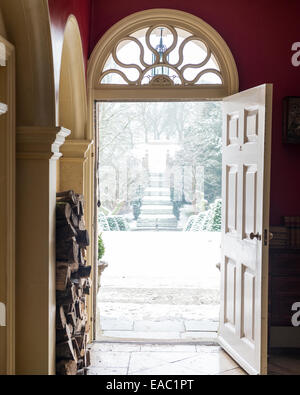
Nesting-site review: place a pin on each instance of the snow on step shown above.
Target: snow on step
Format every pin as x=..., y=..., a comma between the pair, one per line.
x=150, y=191
x=156, y=200
x=157, y=209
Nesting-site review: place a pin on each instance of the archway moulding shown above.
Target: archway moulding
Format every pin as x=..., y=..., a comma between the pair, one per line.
x=72, y=103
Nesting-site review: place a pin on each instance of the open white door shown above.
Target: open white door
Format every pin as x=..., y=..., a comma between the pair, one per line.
x=245, y=231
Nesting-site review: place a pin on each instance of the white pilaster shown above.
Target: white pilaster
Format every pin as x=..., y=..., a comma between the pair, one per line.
x=37, y=153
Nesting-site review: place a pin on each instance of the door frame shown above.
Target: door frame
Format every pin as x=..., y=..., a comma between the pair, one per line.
x=8, y=173
x=97, y=92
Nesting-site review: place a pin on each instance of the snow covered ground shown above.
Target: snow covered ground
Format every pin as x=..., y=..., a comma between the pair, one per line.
x=161, y=260
x=159, y=276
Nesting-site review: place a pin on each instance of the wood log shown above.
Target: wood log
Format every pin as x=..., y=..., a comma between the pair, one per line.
x=78, y=309
x=84, y=345
x=76, y=348
x=81, y=341
x=81, y=259
x=80, y=326
x=66, y=351
x=87, y=358
x=82, y=225
x=83, y=272
x=81, y=207
x=63, y=211
x=74, y=267
x=72, y=284
x=65, y=231
x=63, y=276
x=79, y=293
x=87, y=290
x=67, y=250
x=68, y=196
x=86, y=287
x=75, y=220
x=84, y=253
x=67, y=297
x=61, y=320
x=85, y=328
x=63, y=335
x=72, y=319
x=66, y=368
x=80, y=364
x=82, y=238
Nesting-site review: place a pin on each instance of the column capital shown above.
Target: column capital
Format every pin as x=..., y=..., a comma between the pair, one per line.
x=40, y=142
x=76, y=150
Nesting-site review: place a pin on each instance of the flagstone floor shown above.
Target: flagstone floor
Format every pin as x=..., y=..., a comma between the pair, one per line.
x=160, y=329
x=140, y=358
x=160, y=359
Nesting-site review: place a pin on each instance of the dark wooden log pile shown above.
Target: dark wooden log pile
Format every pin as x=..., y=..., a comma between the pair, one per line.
x=73, y=284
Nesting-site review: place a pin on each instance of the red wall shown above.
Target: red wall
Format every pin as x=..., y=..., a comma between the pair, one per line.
x=260, y=35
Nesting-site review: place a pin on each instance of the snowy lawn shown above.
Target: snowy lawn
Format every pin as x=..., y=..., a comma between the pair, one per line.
x=161, y=259
x=160, y=276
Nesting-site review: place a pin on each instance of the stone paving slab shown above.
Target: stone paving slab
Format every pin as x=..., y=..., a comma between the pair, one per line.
x=113, y=359
x=142, y=335
x=168, y=347
x=201, y=326
x=107, y=371
x=108, y=324
x=115, y=347
x=158, y=359
x=159, y=326
x=199, y=335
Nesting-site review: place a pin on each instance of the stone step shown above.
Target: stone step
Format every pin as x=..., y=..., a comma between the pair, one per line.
x=156, y=174
x=162, y=221
x=156, y=209
x=155, y=178
x=154, y=191
x=157, y=200
x=158, y=184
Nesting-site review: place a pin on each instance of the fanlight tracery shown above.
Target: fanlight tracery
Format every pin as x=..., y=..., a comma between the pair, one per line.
x=162, y=55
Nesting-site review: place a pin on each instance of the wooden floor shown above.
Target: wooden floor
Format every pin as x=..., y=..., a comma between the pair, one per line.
x=284, y=364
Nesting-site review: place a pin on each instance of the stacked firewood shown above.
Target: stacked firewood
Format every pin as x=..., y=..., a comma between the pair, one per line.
x=73, y=284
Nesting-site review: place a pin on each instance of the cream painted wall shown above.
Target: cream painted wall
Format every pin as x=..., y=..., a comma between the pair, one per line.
x=2, y=26
x=38, y=171
x=38, y=141
x=72, y=89
x=28, y=29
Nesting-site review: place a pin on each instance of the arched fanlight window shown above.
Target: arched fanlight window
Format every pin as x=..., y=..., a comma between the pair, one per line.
x=162, y=49
x=162, y=55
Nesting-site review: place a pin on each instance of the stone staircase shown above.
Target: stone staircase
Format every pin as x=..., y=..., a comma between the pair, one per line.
x=157, y=208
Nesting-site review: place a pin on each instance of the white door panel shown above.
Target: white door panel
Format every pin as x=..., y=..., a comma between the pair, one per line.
x=245, y=219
